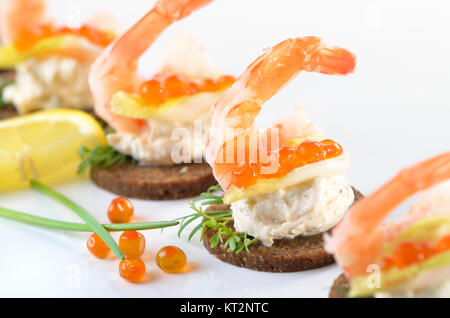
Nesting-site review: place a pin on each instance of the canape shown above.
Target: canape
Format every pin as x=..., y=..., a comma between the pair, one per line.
x=161, y=123
x=285, y=186
x=406, y=258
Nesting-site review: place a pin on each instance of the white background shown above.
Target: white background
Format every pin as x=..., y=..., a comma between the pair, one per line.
x=392, y=112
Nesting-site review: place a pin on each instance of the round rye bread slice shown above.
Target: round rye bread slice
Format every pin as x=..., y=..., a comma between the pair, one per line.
x=155, y=182
x=340, y=288
x=285, y=255
x=7, y=111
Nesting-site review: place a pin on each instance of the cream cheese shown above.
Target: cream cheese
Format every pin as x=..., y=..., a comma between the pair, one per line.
x=161, y=143
x=305, y=209
x=50, y=83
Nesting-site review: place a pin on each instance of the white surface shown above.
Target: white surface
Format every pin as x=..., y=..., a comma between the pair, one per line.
x=393, y=112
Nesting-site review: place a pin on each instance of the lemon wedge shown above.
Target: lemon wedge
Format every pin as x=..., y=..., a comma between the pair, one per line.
x=44, y=146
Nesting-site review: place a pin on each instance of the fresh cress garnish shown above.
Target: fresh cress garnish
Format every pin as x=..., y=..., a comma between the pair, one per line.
x=222, y=221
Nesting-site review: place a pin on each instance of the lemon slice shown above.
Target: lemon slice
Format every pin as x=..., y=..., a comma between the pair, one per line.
x=338, y=166
x=10, y=56
x=44, y=146
x=183, y=109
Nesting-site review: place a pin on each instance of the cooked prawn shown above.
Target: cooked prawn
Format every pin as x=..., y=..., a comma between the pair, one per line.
x=237, y=108
x=21, y=21
x=359, y=239
x=116, y=68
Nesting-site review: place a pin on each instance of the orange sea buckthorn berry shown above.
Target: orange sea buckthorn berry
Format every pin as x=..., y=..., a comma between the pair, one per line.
x=310, y=151
x=408, y=253
x=132, y=269
x=177, y=86
x=154, y=92
x=120, y=210
x=132, y=244
x=443, y=245
x=97, y=246
x=171, y=259
x=224, y=82
x=332, y=149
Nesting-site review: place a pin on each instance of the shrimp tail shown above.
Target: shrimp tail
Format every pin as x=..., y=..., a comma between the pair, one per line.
x=331, y=61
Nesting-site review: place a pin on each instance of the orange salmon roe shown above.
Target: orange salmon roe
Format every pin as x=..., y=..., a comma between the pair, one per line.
x=177, y=86
x=120, y=210
x=443, y=245
x=171, y=259
x=208, y=85
x=132, y=244
x=387, y=263
x=132, y=269
x=97, y=246
x=158, y=90
x=28, y=38
x=288, y=157
x=408, y=253
x=225, y=81
x=153, y=92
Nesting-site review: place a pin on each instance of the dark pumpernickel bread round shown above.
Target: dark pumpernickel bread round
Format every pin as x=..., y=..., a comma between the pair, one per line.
x=298, y=254
x=155, y=182
x=340, y=288
x=7, y=111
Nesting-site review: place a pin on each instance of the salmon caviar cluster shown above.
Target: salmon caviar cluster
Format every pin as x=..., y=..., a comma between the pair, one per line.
x=287, y=158
x=170, y=259
x=162, y=88
x=409, y=253
x=28, y=38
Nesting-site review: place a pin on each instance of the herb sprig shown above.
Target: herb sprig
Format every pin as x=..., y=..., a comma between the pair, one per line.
x=218, y=220
x=101, y=157
x=79, y=227
x=83, y=214
x=2, y=87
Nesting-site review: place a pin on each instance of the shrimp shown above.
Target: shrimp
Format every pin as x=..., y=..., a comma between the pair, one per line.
x=237, y=108
x=359, y=239
x=116, y=68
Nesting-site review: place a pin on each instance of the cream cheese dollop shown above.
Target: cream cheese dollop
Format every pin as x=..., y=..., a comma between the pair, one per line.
x=50, y=83
x=162, y=145
x=306, y=209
